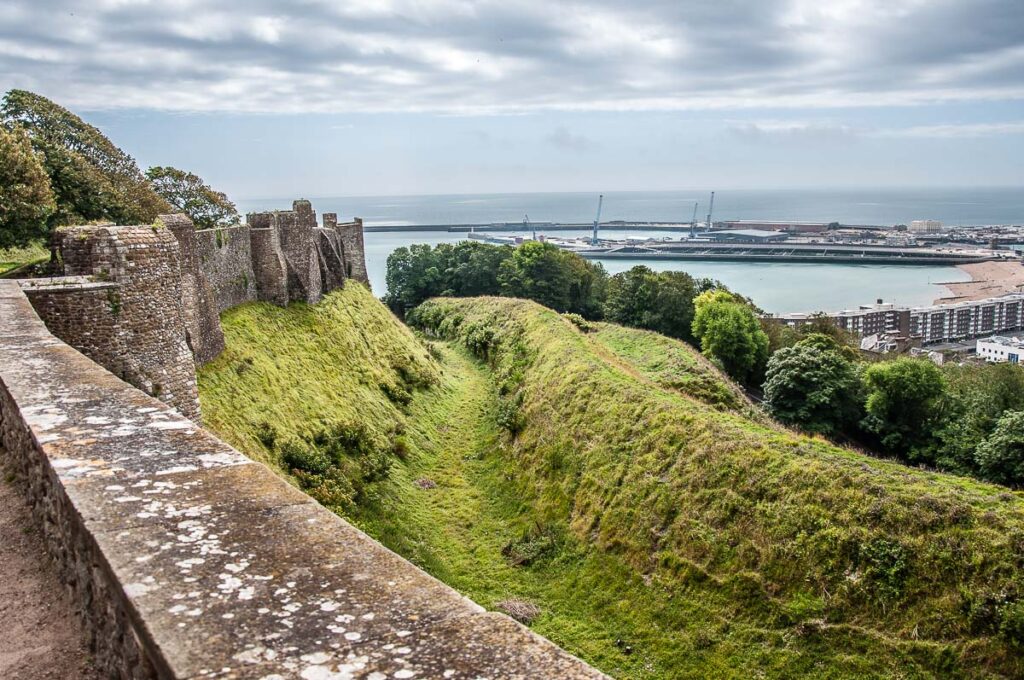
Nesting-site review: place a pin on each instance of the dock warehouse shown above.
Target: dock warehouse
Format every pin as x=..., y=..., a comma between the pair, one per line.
x=747, y=236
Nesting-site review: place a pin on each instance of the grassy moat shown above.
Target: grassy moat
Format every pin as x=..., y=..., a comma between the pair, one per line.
x=659, y=524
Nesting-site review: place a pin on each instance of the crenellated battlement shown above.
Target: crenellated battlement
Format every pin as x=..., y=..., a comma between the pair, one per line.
x=147, y=301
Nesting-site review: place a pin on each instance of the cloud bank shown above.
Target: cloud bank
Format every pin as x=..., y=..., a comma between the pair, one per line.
x=511, y=56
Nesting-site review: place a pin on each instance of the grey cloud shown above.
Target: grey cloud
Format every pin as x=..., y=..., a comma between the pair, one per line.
x=456, y=56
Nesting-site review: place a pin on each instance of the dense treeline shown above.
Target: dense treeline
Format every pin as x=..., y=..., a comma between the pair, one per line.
x=56, y=169
x=556, y=278
x=967, y=419
x=673, y=303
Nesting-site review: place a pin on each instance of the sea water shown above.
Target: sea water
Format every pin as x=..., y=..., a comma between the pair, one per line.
x=776, y=287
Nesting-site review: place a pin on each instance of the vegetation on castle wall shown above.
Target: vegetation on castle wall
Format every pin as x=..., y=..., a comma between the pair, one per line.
x=918, y=571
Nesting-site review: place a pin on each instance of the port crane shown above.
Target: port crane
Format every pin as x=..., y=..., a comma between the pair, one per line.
x=711, y=209
x=528, y=226
x=597, y=220
x=693, y=221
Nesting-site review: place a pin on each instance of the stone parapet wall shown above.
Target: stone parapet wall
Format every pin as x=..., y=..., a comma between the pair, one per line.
x=269, y=267
x=191, y=561
x=149, y=348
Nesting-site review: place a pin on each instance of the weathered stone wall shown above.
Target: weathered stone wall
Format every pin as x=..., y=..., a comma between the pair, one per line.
x=151, y=343
x=225, y=257
x=351, y=235
x=191, y=561
x=199, y=302
x=85, y=311
x=268, y=264
x=297, y=231
x=276, y=257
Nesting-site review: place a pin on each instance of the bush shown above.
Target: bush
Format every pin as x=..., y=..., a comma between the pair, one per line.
x=533, y=546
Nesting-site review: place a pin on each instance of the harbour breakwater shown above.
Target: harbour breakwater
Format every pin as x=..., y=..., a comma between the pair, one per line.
x=806, y=253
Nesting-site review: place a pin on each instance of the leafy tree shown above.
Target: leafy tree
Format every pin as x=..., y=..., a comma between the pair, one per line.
x=1001, y=457
x=91, y=178
x=474, y=268
x=555, y=278
x=26, y=200
x=420, y=271
x=188, y=193
x=905, y=407
x=813, y=386
x=659, y=301
x=730, y=333
x=978, y=396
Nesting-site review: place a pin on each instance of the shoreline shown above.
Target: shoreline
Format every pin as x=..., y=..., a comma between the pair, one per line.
x=988, y=279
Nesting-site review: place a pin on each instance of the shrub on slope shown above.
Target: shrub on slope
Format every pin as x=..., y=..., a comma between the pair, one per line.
x=318, y=389
x=867, y=556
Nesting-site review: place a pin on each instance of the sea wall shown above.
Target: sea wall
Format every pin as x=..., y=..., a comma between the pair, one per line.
x=189, y=560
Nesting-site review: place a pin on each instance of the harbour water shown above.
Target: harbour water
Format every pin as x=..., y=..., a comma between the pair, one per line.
x=776, y=287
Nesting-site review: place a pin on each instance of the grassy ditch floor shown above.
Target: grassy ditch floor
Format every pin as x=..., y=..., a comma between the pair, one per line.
x=452, y=510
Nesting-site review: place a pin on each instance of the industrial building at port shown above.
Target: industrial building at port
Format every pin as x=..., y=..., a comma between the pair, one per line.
x=951, y=322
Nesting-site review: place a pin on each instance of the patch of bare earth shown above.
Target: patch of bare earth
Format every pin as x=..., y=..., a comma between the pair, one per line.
x=40, y=633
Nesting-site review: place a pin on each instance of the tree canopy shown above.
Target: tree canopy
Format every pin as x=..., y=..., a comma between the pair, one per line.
x=905, y=406
x=1001, y=456
x=555, y=278
x=730, y=333
x=90, y=177
x=26, y=200
x=188, y=193
x=813, y=386
x=658, y=301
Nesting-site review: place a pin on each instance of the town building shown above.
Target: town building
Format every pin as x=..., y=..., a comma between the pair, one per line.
x=1001, y=349
x=932, y=324
x=747, y=236
x=926, y=226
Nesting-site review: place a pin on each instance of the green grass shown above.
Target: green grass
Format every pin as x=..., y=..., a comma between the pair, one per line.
x=672, y=365
x=290, y=370
x=15, y=258
x=673, y=533
x=831, y=557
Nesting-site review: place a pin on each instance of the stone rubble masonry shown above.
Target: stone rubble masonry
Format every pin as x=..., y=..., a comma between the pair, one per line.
x=148, y=347
x=188, y=560
x=226, y=262
x=199, y=301
x=351, y=234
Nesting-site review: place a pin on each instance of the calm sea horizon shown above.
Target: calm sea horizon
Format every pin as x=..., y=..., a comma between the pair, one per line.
x=776, y=287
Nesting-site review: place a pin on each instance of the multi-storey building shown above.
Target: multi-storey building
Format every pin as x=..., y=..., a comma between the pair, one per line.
x=934, y=324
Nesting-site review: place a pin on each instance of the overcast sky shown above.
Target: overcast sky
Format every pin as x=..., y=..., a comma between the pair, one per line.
x=324, y=98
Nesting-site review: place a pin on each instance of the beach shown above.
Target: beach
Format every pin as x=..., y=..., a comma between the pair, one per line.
x=988, y=279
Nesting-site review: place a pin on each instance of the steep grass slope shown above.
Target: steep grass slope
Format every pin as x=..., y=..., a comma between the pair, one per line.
x=312, y=388
x=829, y=562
